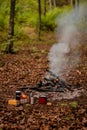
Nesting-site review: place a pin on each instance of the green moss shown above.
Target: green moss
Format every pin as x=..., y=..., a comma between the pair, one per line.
x=63, y=104
x=74, y=104
x=1, y=63
x=68, y=118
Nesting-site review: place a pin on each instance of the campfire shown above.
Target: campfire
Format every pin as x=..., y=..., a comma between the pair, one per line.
x=54, y=88
x=52, y=83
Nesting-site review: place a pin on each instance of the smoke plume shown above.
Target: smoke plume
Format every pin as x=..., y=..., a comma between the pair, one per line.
x=65, y=54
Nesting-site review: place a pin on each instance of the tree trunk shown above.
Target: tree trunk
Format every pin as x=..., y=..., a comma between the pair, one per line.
x=9, y=47
x=54, y=3
x=50, y=4
x=39, y=19
x=78, y=2
x=73, y=3
x=44, y=7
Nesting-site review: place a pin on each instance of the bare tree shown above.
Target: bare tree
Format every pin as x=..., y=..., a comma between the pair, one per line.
x=9, y=47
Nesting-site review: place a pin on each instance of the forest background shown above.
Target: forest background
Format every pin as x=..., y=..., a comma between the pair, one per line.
x=27, y=18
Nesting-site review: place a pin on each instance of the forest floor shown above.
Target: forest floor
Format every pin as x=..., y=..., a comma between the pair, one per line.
x=27, y=67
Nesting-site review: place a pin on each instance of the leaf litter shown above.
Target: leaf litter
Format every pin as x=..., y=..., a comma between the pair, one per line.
x=28, y=68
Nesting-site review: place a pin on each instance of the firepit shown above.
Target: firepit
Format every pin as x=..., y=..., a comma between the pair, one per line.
x=52, y=86
x=52, y=83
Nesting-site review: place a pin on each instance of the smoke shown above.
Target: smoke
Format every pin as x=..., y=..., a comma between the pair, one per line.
x=65, y=54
